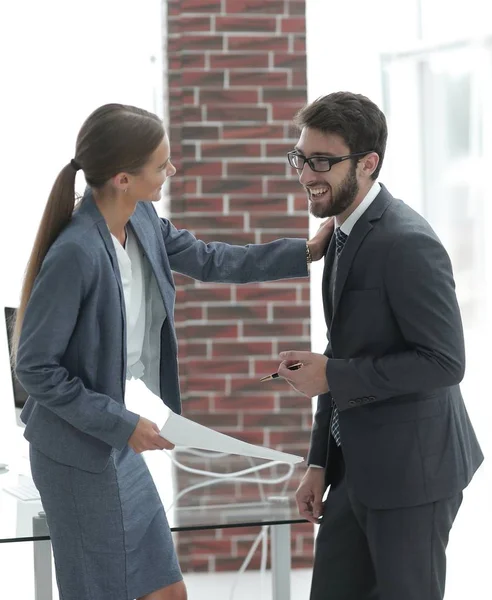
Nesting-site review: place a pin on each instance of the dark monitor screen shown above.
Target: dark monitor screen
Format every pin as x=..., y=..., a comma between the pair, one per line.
x=20, y=395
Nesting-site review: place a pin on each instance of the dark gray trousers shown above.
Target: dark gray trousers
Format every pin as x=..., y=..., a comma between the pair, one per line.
x=366, y=554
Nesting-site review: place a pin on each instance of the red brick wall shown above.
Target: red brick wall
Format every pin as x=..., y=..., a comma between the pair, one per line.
x=237, y=75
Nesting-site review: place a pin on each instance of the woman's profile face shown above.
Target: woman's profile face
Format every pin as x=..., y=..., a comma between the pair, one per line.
x=147, y=184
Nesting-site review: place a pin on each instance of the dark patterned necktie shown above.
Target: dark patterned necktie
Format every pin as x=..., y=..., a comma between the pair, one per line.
x=340, y=239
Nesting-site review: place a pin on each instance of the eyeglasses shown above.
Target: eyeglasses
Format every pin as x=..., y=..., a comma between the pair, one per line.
x=319, y=164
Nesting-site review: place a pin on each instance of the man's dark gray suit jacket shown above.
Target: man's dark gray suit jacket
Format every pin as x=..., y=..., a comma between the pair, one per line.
x=396, y=358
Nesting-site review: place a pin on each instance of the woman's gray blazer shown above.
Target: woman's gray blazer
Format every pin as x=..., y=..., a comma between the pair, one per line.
x=72, y=351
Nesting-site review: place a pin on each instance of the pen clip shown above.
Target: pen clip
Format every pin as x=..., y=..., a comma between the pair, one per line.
x=293, y=367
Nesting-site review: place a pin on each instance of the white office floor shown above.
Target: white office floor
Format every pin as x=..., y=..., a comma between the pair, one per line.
x=17, y=580
x=218, y=586
x=469, y=560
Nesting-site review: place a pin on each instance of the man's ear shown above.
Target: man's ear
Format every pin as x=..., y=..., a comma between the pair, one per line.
x=369, y=164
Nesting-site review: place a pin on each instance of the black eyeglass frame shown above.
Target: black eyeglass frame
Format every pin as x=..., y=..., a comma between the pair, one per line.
x=333, y=160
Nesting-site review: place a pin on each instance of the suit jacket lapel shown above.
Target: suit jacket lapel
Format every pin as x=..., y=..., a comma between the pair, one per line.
x=362, y=227
x=329, y=259
x=357, y=235
x=144, y=230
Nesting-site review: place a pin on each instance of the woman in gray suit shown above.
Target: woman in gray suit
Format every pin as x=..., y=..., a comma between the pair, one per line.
x=96, y=309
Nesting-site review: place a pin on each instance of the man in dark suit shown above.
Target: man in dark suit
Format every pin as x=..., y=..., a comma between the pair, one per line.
x=391, y=435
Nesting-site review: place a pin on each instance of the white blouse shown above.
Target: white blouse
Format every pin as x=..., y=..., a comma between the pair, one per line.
x=131, y=265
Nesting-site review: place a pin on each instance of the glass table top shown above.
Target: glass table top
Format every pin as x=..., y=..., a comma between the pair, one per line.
x=20, y=520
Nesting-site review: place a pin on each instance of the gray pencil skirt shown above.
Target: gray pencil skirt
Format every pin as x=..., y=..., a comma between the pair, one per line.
x=109, y=532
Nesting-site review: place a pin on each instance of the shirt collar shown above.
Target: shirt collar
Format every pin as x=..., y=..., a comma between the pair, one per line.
x=348, y=225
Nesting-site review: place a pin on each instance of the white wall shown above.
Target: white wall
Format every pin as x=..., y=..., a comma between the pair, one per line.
x=59, y=61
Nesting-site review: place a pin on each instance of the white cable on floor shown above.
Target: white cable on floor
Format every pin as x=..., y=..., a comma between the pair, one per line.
x=236, y=476
x=253, y=469
x=259, y=481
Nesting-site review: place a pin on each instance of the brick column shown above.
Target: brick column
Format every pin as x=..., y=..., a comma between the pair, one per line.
x=237, y=75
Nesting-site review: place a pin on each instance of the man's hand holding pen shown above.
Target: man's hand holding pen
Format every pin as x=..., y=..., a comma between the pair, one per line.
x=310, y=379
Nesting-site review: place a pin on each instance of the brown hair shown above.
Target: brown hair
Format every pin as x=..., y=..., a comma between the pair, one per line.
x=355, y=118
x=115, y=138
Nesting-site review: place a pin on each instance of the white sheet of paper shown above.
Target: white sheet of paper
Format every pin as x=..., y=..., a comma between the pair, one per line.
x=183, y=432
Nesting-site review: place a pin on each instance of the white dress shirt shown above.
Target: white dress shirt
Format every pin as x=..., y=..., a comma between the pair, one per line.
x=369, y=198
x=130, y=262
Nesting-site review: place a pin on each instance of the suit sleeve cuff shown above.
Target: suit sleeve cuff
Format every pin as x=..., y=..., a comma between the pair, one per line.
x=125, y=430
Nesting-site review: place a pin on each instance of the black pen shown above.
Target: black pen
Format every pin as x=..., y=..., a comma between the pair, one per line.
x=276, y=375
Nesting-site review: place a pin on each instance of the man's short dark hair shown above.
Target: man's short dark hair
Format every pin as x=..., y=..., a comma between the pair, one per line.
x=355, y=118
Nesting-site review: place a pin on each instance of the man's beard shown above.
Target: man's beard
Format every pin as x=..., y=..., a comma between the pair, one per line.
x=348, y=190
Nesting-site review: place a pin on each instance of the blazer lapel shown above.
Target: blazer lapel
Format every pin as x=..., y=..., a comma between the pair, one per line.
x=89, y=207
x=146, y=234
